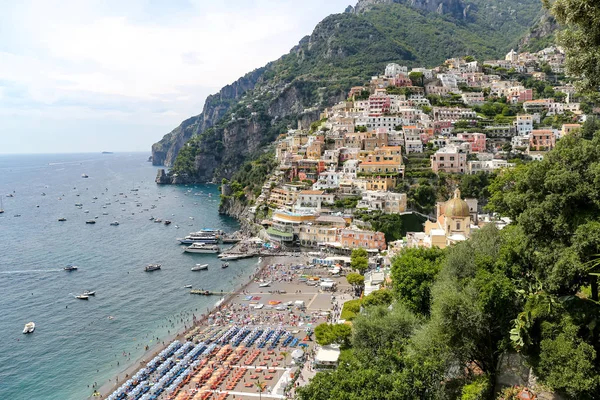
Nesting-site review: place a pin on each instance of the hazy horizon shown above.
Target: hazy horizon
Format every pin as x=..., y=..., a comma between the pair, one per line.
x=107, y=76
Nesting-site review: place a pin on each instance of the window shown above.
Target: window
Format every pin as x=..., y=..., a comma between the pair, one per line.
x=458, y=226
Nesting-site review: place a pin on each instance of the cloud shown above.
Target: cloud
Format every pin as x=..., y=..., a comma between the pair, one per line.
x=140, y=59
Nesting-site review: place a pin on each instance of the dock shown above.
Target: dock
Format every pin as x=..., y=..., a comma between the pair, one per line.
x=209, y=292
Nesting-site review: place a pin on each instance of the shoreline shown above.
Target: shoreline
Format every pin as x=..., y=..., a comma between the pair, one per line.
x=114, y=383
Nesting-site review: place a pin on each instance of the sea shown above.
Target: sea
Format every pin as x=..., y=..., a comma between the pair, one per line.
x=77, y=343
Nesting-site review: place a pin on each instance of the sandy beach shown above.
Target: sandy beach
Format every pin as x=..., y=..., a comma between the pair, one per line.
x=251, y=306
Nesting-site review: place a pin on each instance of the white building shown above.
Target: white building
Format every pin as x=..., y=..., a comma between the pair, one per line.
x=388, y=202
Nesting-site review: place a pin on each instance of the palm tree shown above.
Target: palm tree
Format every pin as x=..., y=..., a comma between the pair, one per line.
x=284, y=354
x=261, y=386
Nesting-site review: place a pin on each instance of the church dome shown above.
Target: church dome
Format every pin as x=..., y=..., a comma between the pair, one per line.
x=456, y=207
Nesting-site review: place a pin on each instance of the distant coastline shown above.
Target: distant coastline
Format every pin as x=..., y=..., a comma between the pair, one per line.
x=107, y=152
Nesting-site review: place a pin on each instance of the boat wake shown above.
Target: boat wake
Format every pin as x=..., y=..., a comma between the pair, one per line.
x=31, y=271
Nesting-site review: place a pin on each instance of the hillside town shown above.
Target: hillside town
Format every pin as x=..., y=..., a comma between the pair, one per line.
x=464, y=117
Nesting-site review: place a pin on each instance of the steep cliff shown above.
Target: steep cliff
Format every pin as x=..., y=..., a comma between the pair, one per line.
x=344, y=50
x=542, y=34
x=215, y=107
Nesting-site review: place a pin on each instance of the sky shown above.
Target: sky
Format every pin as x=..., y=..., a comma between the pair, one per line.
x=114, y=75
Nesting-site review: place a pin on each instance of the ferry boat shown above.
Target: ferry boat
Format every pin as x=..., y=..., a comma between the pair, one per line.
x=202, y=248
x=29, y=327
x=200, y=267
x=70, y=268
x=199, y=237
x=152, y=267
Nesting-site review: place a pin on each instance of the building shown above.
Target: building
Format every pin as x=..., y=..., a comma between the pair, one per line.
x=286, y=226
x=323, y=230
x=473, y=98
x=453, y=225
x=450, y=159
x=357, y=238
x=388, y=202
x=567, y=129
x=283, y=198
x=524, y=124
x=314, y=199
x=541, y=140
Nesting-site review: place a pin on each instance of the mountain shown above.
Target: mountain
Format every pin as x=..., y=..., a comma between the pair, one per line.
x=344, y=50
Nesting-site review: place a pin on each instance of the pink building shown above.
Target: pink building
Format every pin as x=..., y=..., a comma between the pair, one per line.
x=478, y=141
x=541, y=140
x=379, y=105
x=354, y=239
x=450, y=159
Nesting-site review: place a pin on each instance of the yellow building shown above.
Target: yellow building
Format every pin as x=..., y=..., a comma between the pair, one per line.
x=453, y=225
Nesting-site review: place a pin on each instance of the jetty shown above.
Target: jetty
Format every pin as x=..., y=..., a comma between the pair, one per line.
x=209, y=292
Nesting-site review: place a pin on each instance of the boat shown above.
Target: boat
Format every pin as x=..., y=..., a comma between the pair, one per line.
x=70, y=268
x=29, y=327
x=84, y=176
x=78, y=205
x=91, y=221
x=203, y=248
x=199, y=237
x=224, y=265
x=158, y=220
x=1, y=206
x=115, y=223
x=187, y=287
x=107, y=152
x=17, y=215
x=200, y=267
x=265, y=284
x=62, y=219
x=10, y=195
x=230, y=258
x=82, y=297
x=152, y=267
x=218, y=303
x=89, y=293
x=104, y=213
x=167, y=222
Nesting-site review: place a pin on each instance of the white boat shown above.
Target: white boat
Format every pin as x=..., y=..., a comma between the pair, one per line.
x=265, y=284
x=115, y=223
x=229, y=258
x=202, y=248
x=89, y=293
x=152, y=267
x=187, y=287
x=84, y=176
x=82, y=297
x=200, y=267
x=70, y=268
x=225, y=265
x=218, y=303
x=29, y=327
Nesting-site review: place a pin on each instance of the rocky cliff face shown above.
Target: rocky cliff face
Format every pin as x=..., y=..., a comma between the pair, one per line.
x=542, y=34
x=451, y=7
x=215, y=107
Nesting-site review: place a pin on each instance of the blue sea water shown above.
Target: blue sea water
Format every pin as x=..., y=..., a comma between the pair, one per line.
x=75, y=343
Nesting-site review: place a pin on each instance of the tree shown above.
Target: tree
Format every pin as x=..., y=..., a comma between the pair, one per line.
x=260, y=386
x=380, y=297
x=417, y=78
x=355, y=279
x=359, y=260
x=581, y=39
x=413, y=274
x=360, y=128
x=326, y=334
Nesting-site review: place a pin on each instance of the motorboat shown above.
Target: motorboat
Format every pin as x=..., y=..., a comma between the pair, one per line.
x=29, y=327
x=82, y=297
x=229, y=258
x=224, y=265
x=91, y=222
x=167, y=222
x=158, y=220
x=265, y=284
x=200, y=267
x=115, y=223
x=104, y=213
x=70, y=268
x=87, y=211
x=62, y=219
x=152, y=267
x=187, y=287
x=84, y=176
x=78, y=205
x=202, y=248
x=89, y=293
